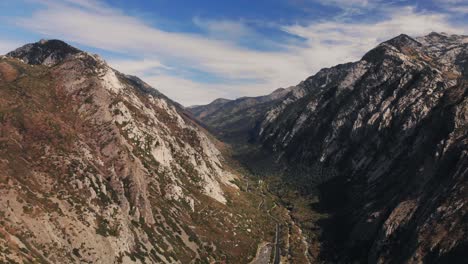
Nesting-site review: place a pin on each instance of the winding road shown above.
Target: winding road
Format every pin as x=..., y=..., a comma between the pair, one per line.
x=266, y=249
x=277, y=254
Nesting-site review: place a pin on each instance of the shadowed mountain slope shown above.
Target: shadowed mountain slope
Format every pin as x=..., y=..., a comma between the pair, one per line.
x=383, y=142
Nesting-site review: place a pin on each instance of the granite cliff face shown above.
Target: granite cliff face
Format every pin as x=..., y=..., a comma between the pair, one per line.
x=98, y=167
x=383, y=142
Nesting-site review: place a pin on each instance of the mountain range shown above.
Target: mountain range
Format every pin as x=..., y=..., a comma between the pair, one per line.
x=98, y=167
x=382, y=142
x=362, y=162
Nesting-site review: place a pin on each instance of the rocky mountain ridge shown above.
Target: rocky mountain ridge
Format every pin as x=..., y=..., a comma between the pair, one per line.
x=234, y=120
x=98, y=167
x=383, y=143
x=385, y=140
x=44, y=52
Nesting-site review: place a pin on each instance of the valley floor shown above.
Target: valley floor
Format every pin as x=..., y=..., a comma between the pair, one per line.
x=291, y=242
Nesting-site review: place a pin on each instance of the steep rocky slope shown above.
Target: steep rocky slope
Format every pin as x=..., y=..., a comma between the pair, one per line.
x=234, y=121
x=98, y=167
x=383, y=142
x=386, y=137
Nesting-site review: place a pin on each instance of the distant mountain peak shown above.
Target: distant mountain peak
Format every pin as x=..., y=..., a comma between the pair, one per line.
x=402, y=40
x=399, y=44
x=279, y=90
x=220, y=101
x=45, y=52
x=437, y=33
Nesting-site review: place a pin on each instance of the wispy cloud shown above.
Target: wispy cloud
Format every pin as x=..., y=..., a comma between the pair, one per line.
x=121, y=33
x=136, y=67
x=347, y=41
x=224, y=29
x=454, y=6
x=347, y=7
x=240, y=69
x=349, y=3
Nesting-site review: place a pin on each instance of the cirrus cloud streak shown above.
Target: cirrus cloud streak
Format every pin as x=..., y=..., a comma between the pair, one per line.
x=240, y=70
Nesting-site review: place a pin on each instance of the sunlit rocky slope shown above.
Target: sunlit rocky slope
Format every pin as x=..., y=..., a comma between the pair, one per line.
x=98, y=167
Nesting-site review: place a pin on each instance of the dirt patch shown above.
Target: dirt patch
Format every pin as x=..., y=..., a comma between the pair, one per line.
x=7, y=72
x=263, y=254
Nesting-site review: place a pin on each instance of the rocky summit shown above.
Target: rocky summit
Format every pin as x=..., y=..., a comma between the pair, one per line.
x=364, y=162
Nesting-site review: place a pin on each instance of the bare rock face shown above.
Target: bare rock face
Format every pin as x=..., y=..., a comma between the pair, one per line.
x=98, y=167
x=384, y=140
x=44, y=52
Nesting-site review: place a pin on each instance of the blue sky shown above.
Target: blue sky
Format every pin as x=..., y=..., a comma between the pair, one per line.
x=196, y=51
